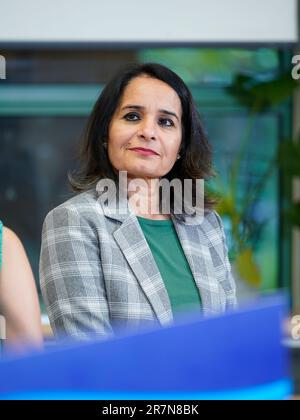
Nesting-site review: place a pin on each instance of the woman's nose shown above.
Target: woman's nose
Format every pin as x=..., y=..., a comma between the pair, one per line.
x=147, y=129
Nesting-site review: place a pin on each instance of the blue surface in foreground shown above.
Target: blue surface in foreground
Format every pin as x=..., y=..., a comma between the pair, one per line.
x=235, y=356
x=276, y=391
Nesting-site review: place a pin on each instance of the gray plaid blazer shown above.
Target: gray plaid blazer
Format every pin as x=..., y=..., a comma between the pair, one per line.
x=98, y=274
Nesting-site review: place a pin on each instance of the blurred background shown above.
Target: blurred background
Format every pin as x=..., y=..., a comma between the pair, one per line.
x=236, y=57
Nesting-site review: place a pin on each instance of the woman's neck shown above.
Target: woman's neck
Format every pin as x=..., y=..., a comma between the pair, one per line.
x=143, y=195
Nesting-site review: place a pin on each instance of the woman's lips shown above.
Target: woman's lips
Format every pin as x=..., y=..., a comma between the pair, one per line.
x=145, y=152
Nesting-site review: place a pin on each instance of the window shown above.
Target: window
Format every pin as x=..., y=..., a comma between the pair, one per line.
x=44, y=104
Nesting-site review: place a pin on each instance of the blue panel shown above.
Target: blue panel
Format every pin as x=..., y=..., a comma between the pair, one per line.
x=231, y=353
x=275, y=391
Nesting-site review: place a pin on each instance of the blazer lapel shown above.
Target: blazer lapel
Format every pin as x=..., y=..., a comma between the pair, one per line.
x=191, y=234
x=136, y=250
x=195, y=246
x=130, y=238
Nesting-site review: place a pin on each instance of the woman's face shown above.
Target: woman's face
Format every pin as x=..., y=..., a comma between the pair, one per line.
x=149, y=117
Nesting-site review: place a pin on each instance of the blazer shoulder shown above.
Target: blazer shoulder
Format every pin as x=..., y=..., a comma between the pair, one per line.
x=212, y=221
x=83, y=205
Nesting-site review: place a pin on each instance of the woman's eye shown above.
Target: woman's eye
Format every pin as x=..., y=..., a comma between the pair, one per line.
x=131, y=116
x=166, y=122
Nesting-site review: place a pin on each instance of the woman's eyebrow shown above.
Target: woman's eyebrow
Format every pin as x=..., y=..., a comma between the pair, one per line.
x=140, y=107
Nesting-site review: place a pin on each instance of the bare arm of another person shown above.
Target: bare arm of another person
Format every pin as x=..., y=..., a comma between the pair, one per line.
x=18, y=295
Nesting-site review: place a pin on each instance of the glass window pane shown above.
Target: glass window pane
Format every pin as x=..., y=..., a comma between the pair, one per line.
x=36, y=155
x=215, y=66
x=37, y=152
x=249, y=206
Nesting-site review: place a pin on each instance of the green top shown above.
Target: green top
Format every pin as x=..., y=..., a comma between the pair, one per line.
x=172, y=264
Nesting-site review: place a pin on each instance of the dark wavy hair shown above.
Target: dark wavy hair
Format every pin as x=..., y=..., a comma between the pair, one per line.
x=195, y=151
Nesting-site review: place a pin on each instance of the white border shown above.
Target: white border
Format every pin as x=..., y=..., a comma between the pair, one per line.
x=200, y=21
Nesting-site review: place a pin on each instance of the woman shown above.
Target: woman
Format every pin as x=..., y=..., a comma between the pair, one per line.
x=18, y=296
x=101, y=268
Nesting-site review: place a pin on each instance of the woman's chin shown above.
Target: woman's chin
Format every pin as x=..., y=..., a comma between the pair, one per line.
x=141, y=173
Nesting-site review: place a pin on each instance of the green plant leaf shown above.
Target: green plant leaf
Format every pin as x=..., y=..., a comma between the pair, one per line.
x=261, y=95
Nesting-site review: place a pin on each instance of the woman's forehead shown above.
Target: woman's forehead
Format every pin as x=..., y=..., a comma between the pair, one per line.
x=145, y=90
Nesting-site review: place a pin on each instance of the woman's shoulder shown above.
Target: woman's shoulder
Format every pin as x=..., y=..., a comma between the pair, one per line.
x=212, y=220
x=10, y=236
x=213, y=229
x=11, y=243
x=80, y=202
x=81, y=206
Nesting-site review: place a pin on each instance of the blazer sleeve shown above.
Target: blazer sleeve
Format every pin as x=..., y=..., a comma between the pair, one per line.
x=227, y=282
x=71, y=276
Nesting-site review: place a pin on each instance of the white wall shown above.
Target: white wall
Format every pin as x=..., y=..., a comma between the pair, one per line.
x=149, y=20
